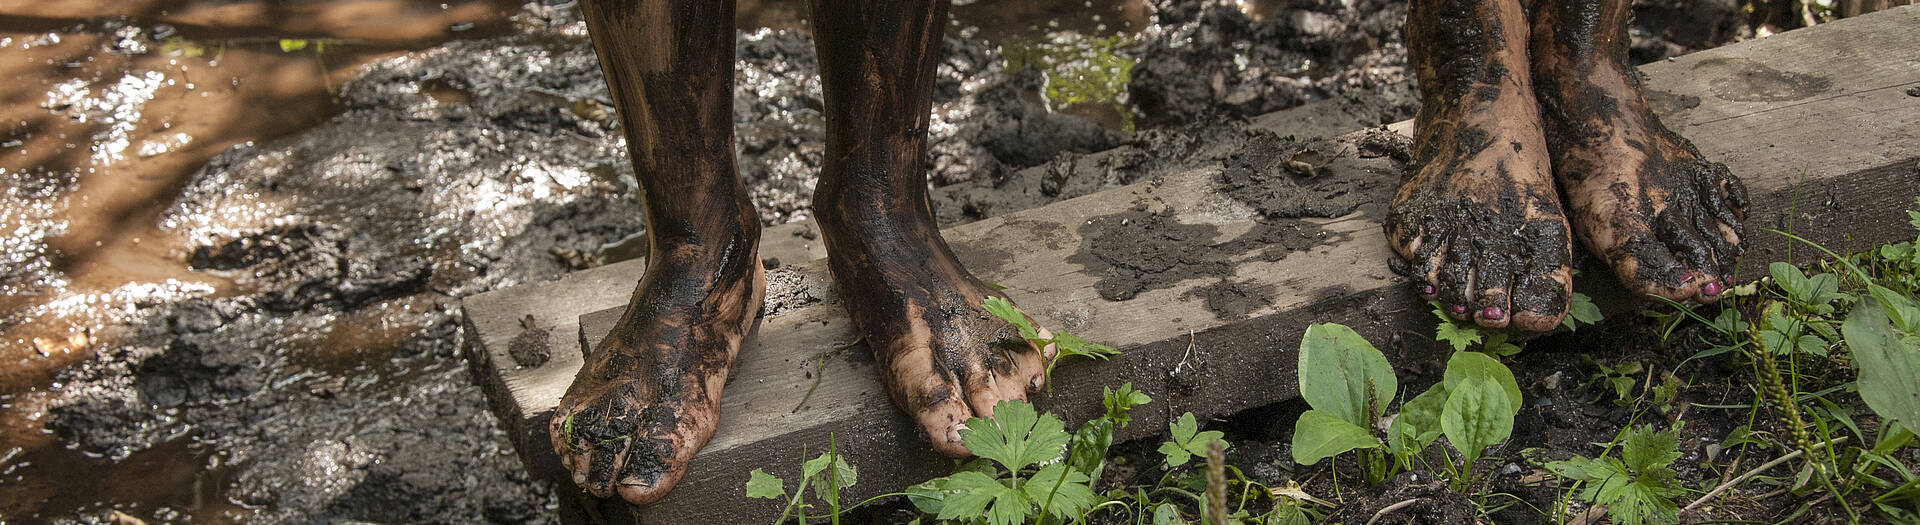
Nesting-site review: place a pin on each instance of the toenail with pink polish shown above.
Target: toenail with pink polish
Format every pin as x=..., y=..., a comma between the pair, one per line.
x=1710, y=289
x=1493, y=313
x=1458, y=309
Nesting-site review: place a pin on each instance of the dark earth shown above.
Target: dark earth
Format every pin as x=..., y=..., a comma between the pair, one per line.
x=329, y=385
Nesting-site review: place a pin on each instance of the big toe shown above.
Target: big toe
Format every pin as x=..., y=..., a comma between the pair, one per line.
x=641, y=485
x=1541, y=299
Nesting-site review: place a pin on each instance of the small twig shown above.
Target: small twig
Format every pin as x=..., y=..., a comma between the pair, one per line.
x=820, y=370
x=1756, y=471
x=1390, y=508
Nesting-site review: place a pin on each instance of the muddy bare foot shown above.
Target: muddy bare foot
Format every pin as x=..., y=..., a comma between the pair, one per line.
x=944, y=359
x=1478, y=217
x=1640, y=197
x=649, y=396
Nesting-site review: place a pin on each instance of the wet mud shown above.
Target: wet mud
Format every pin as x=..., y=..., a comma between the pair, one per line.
x=289, y=350
x=1140, y=250
x=1743, y=80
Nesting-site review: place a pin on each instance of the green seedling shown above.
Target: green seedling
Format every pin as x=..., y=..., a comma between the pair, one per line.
x=1188, y=441
x=826, y=482
x=1064, y=344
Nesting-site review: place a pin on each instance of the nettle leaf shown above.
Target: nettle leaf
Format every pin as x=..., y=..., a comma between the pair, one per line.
x=1016, y=436
x=1318, y=435
x=1581, y=309
x=1645, y=450
x=1002, y=308
x=1477, y=415
x=1344, y=375
x=762, y=485
x=1888, y=364
x=1455, y=334
x=1072, y=345
x=973, y=495
x=1063, y=498
x=1639, y=490
x=1120, y=403
x=1188, y=440
x=1465, y=366
x=824, y=483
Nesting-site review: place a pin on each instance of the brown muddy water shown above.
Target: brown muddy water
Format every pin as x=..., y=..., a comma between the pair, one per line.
x=115, y=219
x=110, y=107
x=237, y=231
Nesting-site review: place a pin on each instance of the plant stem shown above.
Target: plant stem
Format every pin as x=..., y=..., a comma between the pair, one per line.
x=1755, y=472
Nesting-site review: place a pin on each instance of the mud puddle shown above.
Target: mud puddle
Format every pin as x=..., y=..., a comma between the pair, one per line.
x=238, y=231
x=112, y=108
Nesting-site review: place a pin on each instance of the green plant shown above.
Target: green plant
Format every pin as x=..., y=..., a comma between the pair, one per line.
x=1348, y=383
x=1636, y=487
x=1464, y=334
x=825, y=482
x=1064, y=344
x=1188, y=441
x=1863, y=304
x=1063, y=467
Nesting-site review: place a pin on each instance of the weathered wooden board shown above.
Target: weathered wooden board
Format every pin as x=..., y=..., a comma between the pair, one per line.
x=1816, y=121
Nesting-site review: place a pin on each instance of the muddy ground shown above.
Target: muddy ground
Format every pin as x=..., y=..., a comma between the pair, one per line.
x=311, y=373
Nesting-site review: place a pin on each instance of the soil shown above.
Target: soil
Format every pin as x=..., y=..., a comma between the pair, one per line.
x=259, y=322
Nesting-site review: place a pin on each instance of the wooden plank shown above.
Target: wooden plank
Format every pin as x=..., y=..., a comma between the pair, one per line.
x=1816, y=121
x=493, y=321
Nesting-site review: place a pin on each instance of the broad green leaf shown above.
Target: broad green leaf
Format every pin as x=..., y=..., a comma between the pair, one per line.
x=1318, y=435
x=1477, y=415
x=1016, y=436
x=762, y=485
x=1090, y=444
x=1422, y=413
x=1072, y=497
x=1899, y=308
x=1888, y=365
x=1002, y=308
x=1344, y=375
x=823, y=483
x=1790, y=279
x=1464, y=366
